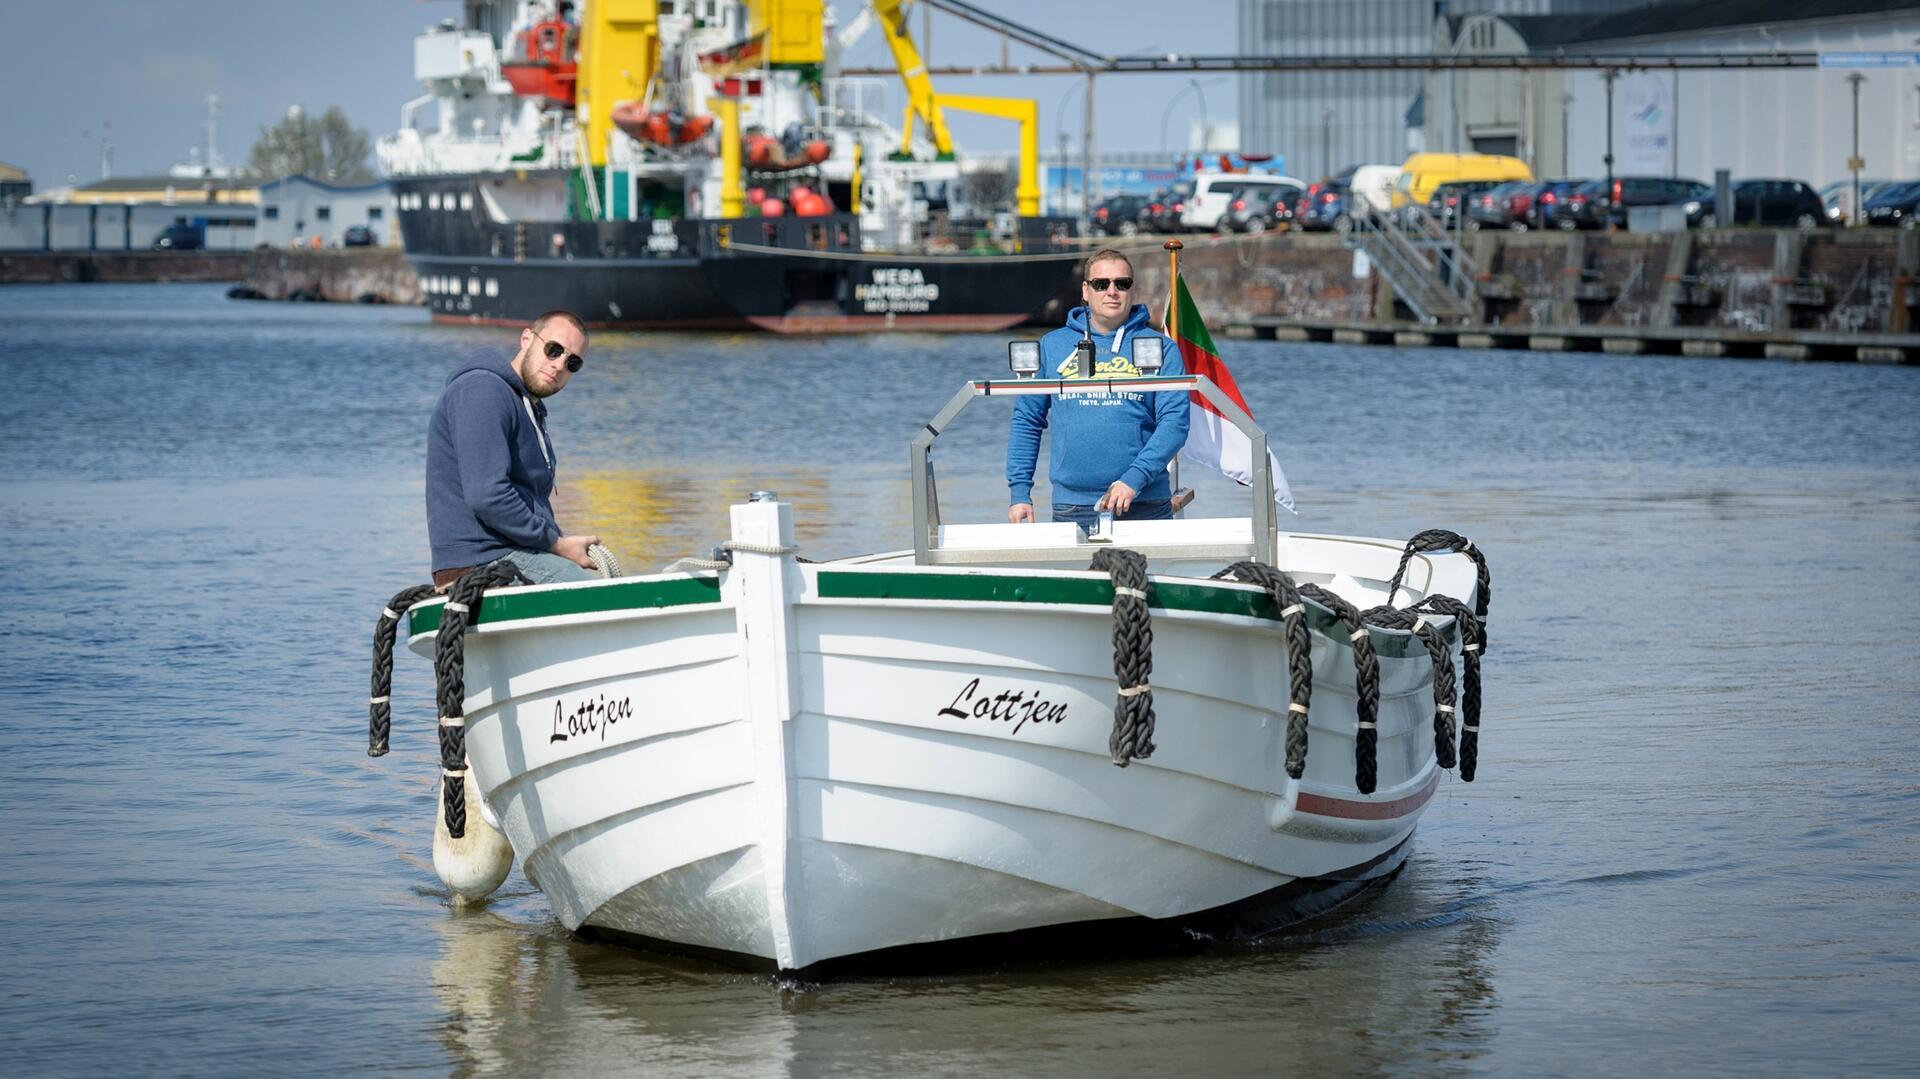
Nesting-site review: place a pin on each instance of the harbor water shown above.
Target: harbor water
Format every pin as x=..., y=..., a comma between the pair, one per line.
x=1693, y=843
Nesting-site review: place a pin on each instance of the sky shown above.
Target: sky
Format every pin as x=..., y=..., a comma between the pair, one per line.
x=148, y=67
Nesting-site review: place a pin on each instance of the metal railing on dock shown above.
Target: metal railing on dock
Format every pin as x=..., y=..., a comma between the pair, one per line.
x=1424, y=263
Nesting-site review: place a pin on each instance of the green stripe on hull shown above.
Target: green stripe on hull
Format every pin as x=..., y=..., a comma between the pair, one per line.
x=1093, y=592
x=632, y=595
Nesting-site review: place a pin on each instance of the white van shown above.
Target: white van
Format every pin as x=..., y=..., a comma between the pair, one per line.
x=1375, y=183
x=1214, y=192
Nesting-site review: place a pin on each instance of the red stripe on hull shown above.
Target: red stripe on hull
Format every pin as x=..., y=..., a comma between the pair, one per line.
x=794, y=324
x=1322, y=806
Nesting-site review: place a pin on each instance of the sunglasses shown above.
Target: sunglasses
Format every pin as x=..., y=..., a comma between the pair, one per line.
x=554, y=350
x=1099, y=284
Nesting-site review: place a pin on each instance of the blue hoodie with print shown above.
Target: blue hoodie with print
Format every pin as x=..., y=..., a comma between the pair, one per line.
x=489, y=468
x=1100, y=437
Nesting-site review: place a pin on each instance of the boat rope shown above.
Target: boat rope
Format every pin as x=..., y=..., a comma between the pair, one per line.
x=1366, y=686
x=1473, y=641
x=1442, y=655
x=450, y=682
x=1132, y=737
x=1285, y=596
x=379, y=702
x=603, y=560
x=1435, y=540
x=721, y=557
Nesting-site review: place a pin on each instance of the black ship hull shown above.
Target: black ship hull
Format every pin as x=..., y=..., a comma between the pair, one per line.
x=785, y=275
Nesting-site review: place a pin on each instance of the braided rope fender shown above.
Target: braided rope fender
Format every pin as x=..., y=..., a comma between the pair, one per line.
x=1285, y=596
x=1472, y=643
x=450, y=683
x=1435, y=540
x=1132, y=737
x=1366, y=687
x=379, y=700
x=1442, y=656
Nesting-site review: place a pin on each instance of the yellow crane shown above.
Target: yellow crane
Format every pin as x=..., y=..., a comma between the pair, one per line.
x=930, y=106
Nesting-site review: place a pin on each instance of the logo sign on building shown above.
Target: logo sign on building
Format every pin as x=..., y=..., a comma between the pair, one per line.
x=1646, y=106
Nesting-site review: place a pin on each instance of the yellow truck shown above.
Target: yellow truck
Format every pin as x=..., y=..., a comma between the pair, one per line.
x=1421, y=173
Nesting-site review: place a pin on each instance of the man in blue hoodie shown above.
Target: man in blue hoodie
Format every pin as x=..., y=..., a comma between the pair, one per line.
x=1110, y=450
x=490, y=463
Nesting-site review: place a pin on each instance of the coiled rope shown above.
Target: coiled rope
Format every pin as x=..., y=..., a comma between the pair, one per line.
x=380, y=701
x=721, y=557
x=1132, y=737
x=450, y=683
x=1366, y=686
x=1435, y=540
x=1472, y=643
x=1285, y=596
x=1442, y=656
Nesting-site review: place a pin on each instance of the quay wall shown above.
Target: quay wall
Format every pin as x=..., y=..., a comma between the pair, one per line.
x=1726, y=281
x=73, y=267
x=349, y=275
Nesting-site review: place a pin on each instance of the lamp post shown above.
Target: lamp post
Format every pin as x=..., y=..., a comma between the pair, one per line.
x=1326, y=140
x=1856, y=163
x=1166, y=114
x=1610, y=74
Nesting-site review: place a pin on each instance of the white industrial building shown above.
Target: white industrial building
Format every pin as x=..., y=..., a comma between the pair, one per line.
x=1791, y=123
x=301, y=211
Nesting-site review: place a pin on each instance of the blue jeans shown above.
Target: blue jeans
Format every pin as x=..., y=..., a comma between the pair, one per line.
x=545, y=567
x=1159, y=509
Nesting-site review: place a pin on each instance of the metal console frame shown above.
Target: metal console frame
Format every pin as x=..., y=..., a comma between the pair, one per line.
x=926, y=500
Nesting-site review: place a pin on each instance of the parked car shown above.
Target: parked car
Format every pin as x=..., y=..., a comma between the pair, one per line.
x=1118, y=216
x=1501, y=207
x=1838, y=196
x=181, y=236
x=1447, y=204
x=1630, y=191
x=1214, y=193
x=1549, y=200
x=1324, y=206
x=1162, y=212
x=357, y=236
x=1895, y=206
x=1771, y=202
x=1261, y=211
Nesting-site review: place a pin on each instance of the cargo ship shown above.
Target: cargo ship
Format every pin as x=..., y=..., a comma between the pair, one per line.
x=695, y=164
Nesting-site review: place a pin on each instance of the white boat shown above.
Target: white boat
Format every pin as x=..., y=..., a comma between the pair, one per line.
x=788, y=763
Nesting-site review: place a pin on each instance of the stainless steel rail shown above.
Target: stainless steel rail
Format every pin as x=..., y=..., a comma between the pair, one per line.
x=926, y=499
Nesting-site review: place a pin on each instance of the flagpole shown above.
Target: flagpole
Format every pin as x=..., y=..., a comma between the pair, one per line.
x=1173, y=332
x=1173, y=290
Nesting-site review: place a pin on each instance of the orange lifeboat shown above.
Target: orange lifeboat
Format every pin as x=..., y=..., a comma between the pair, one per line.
x=660, y=127
x=765, y=154
x=544, y=66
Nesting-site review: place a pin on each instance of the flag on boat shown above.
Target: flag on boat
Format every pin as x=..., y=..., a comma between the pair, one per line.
x=1212, y=440
x=735, y=59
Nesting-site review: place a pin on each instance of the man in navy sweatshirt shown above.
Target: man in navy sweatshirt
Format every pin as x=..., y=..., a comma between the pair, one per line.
x=490, y=464
x=1110, y=450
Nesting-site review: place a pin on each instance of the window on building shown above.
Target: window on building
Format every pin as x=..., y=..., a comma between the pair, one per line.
x=271, y=213
x=374, y=213
x=323, y=213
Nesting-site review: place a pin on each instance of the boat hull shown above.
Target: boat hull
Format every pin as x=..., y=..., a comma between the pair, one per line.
x=794, y=764
x=494, y=250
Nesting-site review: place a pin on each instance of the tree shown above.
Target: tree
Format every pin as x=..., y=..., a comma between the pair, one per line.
x=330, y=149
